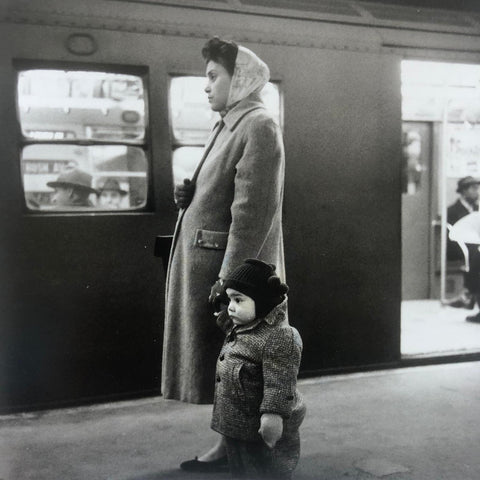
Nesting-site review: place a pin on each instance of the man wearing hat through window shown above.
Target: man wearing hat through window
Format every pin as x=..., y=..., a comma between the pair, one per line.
x=467, y=202
x=72, y=189
x=110, y=194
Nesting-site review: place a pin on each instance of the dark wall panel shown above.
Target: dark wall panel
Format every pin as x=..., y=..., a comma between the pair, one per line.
x=82, y=309
x=342, y=209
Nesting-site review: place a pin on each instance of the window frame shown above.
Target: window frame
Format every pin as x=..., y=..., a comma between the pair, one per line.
x=141, y=71
x=176, y=144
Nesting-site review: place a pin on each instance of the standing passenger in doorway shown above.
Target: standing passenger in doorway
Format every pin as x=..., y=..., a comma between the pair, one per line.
x=467, y=231
x=230, y=210
x=467, y=202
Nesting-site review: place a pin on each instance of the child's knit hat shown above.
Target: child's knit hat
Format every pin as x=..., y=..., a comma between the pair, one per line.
x=257, y=280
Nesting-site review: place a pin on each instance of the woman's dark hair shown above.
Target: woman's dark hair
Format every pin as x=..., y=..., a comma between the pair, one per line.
x=222, y=52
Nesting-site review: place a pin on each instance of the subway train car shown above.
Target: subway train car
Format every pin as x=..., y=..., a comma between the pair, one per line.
x=115, y=87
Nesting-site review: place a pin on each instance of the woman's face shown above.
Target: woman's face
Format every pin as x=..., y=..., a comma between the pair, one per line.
x=218, y=85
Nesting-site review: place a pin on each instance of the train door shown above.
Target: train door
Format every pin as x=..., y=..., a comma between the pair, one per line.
x=83, y=313
x=441, y=145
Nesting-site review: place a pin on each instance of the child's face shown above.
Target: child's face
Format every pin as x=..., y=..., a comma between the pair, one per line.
x=241, y=308
x=110, y=199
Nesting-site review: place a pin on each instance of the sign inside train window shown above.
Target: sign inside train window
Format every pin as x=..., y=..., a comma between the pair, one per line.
x=59, y=111
x=463, y=150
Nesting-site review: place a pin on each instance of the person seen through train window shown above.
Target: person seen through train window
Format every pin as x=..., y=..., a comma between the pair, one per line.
x=467, y=231
x=110, y=195
x=467, y=202
x=72, y=189
x=231, y=209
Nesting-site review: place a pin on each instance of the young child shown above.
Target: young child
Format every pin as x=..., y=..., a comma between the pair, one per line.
x=257, y=407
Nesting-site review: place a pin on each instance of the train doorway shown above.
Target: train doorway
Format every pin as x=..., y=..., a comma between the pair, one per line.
x=441, y=146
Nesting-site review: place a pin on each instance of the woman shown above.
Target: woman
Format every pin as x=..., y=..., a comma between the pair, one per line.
x=230, y=210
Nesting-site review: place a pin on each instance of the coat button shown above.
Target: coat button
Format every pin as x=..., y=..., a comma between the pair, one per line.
x=216, y=245
x=222, y=356
x=200, y=241
x=218, y=379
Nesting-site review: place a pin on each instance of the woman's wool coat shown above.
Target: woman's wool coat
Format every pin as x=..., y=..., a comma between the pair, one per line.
x=235, y=213
x=257, y=373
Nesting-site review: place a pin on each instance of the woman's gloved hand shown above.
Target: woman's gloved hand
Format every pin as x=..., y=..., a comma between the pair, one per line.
x=222, y=319
x=183, y=193
x=218, y=298
x=271, y=428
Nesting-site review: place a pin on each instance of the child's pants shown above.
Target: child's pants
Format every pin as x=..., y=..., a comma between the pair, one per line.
x=254, y=460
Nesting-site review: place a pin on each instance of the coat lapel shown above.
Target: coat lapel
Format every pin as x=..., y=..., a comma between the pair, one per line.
x=219, y=126
x=231, y=120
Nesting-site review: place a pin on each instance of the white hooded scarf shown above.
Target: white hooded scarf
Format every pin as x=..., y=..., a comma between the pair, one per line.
x=250, y=75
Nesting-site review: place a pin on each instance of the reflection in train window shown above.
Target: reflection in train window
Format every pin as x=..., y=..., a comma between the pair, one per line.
x=184, y=162
x=60, y=110
x=69, y=177
x=192, y=120
x=65, y=105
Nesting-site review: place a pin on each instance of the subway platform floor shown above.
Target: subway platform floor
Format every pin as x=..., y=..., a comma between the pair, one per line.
x=418, y=423
x=428, y=327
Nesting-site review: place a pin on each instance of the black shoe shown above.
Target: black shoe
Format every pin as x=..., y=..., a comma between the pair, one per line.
x=462, y=302
x=219, y=465
x=473, y=318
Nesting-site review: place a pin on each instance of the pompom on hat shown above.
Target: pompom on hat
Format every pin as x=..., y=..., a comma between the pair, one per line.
x=258, y=280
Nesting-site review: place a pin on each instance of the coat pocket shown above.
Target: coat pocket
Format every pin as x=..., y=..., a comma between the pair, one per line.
x=236, y=382
x=211, y=239
x=247, y=394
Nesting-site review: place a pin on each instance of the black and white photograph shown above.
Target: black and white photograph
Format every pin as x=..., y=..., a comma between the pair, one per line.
x=240, y=239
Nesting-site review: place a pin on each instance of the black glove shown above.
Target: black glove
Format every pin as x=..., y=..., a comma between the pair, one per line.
x=218, y=297
x=223, y=320
x=183, y=193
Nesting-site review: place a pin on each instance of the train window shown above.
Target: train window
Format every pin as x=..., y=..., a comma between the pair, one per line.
x=85, y=140
x=184, y=162
x=115, y=177
x=191, y=116
x=66, y=105
x=192, y=120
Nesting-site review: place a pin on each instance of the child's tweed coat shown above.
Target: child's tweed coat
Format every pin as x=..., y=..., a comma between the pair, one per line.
x=257, y=373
